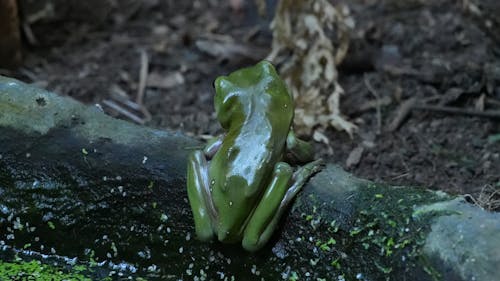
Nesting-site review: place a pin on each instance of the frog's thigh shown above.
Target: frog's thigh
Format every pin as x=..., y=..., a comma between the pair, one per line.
x=267, y=213
x=199, y=195
x=278, y=196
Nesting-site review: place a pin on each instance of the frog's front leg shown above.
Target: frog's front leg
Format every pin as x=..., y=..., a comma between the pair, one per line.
x=213, y=146
x=283, y=187
x=298, y=150
x=199, y=195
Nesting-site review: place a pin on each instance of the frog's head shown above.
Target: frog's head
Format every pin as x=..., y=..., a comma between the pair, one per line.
x=238, y=88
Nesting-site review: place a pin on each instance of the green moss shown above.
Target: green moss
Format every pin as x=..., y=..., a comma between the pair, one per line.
x=35, y=270
x=386, y=225
x=383, y=241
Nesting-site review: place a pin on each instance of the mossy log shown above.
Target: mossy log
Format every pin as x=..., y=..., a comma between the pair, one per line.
x=101, y=198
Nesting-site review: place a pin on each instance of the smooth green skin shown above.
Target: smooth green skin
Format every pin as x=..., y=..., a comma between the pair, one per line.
x=238, y=186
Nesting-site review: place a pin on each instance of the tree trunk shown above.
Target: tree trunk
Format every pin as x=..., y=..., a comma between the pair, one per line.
x=75, y=183
x=10, y=39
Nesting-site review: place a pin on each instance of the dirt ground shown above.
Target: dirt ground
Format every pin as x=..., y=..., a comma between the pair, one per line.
x=429, y=52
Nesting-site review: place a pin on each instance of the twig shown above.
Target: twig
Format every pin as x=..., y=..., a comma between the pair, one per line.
x=143, y=77
x=252, y=33
x=147, y=114
x=368, y=105
x=6, y=72
x=377, y=98
x=486, y=198
x=493, y=101
x=119, y=95
x=30, y=74
x=229, y=50
x=28, y=32
x=494, y=114
x=401, y=114
x=123, y=111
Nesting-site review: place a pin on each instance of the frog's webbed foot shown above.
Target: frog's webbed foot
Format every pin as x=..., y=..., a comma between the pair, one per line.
x=200, y=199
x=284, y=186
x=300, y=178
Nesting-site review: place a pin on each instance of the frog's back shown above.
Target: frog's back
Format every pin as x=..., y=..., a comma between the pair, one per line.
x=251, y=148
x=261, y=113
x=256, y=110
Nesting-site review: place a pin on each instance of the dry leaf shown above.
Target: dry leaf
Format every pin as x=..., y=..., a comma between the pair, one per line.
x=167, y=81
x=307, y=55
x=354, y=157
x=229, y=50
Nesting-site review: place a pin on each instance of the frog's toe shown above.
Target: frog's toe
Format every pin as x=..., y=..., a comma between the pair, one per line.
x=204, y=234
x=251, y=244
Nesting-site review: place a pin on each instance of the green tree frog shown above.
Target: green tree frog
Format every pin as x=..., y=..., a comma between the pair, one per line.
x=239, y=185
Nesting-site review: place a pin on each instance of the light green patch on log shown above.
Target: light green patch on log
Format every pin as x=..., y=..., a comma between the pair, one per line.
x=385, y=224
x=36, y=270
x=26, y=103
x=455, y=240
x=384, y=229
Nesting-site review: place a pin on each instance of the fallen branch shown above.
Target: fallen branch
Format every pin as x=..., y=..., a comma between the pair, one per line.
x=80, y=189
x=410, y=104
x=494, y=114
x=143, y=77
x=402, y=113
x=377, y=98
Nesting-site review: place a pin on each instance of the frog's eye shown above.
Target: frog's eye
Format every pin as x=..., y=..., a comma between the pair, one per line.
x=230, y=99
x=228, y=109
x=223, y=85
x=267, y=68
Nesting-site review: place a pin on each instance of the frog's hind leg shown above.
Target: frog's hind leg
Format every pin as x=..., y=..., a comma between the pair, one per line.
x=199, y=195
x=300, y=178
x=263, y=220
x=284, y=186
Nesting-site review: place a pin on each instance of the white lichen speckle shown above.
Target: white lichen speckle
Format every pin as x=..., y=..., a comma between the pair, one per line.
x=152, y=268
x=164, y=218
x=254, y=270
x=221, y=274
